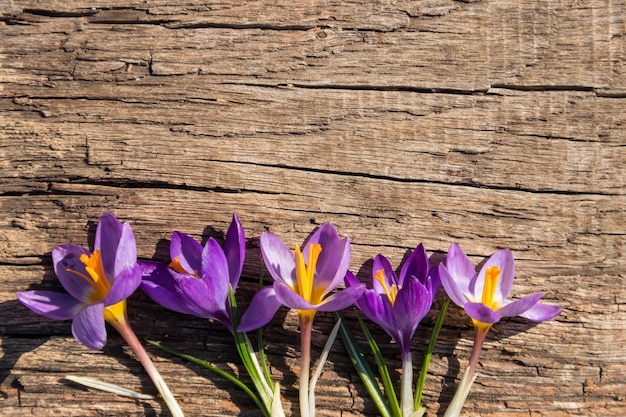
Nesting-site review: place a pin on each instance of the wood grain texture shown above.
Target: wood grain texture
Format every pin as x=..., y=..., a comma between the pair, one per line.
x=489, y=123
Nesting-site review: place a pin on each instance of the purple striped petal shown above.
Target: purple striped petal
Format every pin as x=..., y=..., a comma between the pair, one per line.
x=412, y=303
x=235, y=250
x=451, y=286
x=378, y=309
x=215, y=270
x=65, y=258
x=541, y=312
x=482, y=313
x=261, y=310
x=341, y=299
x=196, y=292
x=187, y=250
x=461, y=270
x=88, y=326
x=289, y=298
x=334, y=259
x=160, y=286
x=126, y=255
x=279, y=260
x=51, y=304
x=125, y=284
x=503, y=259
x=416, y=265
x=108, y=234
x=515, y=308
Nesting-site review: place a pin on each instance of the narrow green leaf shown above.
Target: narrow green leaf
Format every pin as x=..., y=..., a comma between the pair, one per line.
x=429, y=353
x=262, y=358
x=214, y=369
x=384, y=372
x=363, y=368
x=245, y=353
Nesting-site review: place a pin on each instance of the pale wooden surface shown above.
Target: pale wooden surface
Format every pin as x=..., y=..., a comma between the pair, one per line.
x=490, y=123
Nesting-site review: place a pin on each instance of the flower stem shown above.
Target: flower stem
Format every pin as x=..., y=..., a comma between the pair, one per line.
x=123, y=327
x=462, y=391
x=306, y=326
x=406, y=384
x=421, y=381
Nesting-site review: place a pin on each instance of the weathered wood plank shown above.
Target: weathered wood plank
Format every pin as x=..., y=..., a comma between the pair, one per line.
x=488, y=123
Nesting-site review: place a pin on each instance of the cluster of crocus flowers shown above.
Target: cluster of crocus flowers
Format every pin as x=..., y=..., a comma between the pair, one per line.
x=98, y=284
x=201, y=281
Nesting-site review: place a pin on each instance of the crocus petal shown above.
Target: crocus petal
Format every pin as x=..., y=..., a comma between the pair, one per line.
x=195, y=291
x=88, y=326
x=350, y=280
x=235, y=250
x=161, y=287
x=50, y=304
x=108, y=234
x=412, y=304
x=127, y=281
x=334, y=259
x=341, y=299
x=461, y=270
x=66, y=258
x=435, y=280
x=451, y=286
x=482, y=313
x=382, y=263
x=187, y=250
x=416, y=265
x=515, y=308
x=215, y=270
x=126, y=255
x=290, y=298
x=503, y=259
x=378, y=309
x=541, y=312
x=278, y=259
x=261, y=310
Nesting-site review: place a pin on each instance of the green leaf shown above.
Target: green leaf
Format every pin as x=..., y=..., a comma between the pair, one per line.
x=382, y=368
x=429, y=353
x=249, y=361
x=363, y=369
x=214, y=369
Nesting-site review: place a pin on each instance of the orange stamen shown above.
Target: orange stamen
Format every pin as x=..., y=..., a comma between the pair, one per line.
x=176, y=266
x=392, y=292
x=97, y=278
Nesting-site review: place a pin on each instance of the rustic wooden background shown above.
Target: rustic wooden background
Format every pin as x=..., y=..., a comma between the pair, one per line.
x=489, y=123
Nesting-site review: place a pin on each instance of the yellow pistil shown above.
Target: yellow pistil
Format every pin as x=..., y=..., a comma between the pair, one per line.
x=305, y=274
x=176, y=266
x=392, y=292
x=97, y=278
x=492, y=275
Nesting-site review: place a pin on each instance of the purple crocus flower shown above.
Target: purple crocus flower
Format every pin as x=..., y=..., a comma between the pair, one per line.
x=197, y=280
x=484, y=295
x=398, y=303
x=97, y=283
x=303, y=279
